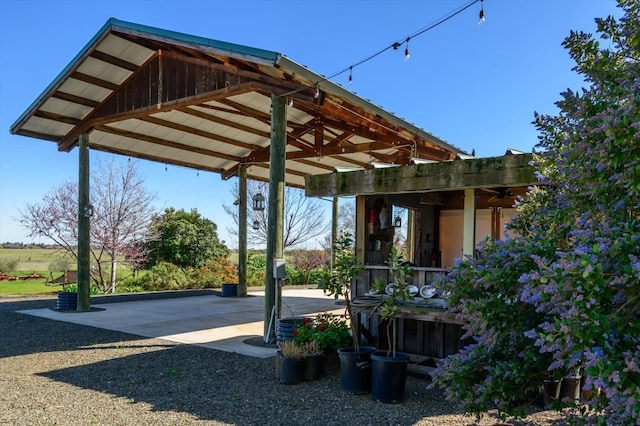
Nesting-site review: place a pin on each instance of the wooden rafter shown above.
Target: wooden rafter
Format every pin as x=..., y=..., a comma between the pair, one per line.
x=167, y=143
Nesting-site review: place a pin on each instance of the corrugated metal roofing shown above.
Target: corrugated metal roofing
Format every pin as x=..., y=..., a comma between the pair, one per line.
x=180, y=99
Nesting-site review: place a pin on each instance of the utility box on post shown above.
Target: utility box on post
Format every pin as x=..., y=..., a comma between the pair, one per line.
x=279, y=271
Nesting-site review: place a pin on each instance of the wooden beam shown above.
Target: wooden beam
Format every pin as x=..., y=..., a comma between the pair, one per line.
x=94, y=80
x=120, y=63
x=197, y=132
x=167, y=143
x=513, y=170
x=69, y=140
x=214, y=119
x=154, y=158
x=75, y=99
x=56, y=117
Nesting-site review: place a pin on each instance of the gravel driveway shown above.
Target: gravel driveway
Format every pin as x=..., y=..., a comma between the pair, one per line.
x=55, y=373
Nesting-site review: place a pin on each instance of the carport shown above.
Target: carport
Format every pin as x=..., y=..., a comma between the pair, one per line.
x=179, y=99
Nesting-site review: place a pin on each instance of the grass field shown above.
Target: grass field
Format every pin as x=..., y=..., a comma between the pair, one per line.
x=32, y=259
x=29, y=260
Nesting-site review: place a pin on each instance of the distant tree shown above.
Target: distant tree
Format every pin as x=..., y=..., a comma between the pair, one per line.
x=122, y=211
x=347, y=216
x=185, y=239
x=305, y=261
x=303, y=216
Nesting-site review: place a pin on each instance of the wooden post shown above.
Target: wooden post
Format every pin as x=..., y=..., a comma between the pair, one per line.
x=469, y=227
x=275, y=212
x=361, y=236
x=334, y=229
x=411, y=236
x=84, y=225
x=242, y=231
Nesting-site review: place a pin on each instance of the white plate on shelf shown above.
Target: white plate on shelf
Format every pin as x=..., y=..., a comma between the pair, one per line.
x=389, y=289
x=427, y=292
x=413, y=290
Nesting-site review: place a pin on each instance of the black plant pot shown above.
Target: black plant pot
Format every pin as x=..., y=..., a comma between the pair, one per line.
x=570, y=388
x=285, y=328
x=388, y=376
x=291, y=370
x=313, y=367
x=67, y=301
x=550, y=392
x=229, y=290
x=355, y=369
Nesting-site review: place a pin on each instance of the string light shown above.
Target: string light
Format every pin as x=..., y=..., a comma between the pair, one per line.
x=481, y=12
x=406, y=50
x=397, y=45
x=165, y=167
x=317, y=94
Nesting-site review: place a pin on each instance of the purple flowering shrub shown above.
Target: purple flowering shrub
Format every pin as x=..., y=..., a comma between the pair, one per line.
x=565, y=296
x=503, y=368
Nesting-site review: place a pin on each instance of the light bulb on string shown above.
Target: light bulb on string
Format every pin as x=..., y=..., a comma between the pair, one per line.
x=165, y=167
x=406, y=50
x=481, y=20
x=350, y=75
x=317, y=94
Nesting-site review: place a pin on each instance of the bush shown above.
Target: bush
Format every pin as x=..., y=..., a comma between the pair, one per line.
x=8, y=265
x=165, y=276
x=256, y=269
x=59, y=264
x=213, y=274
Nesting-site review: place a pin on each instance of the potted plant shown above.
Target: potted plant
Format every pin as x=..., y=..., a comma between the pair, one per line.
x=313, y=361
x=67, y=298
x=291, y=357
x=355, y=360
x=330, y=331
x=389, y=368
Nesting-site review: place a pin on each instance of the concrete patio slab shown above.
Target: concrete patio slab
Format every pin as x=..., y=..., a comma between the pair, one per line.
x=215, y=322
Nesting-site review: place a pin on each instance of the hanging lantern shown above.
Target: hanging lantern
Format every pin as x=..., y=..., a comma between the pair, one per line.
x=88, y=210
x=258, y=202
x=397, y=222
x=256, y=225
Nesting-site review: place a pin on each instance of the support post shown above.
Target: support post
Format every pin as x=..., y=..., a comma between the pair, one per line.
x=275, y=223
x=334, y=230
x=361, y=231
x=469, y=227
x=411, y=236
x=84, y=225
x=242, y=231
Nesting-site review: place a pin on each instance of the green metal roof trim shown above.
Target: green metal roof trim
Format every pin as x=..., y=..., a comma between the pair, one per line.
x=114, y=24
x=123, y=26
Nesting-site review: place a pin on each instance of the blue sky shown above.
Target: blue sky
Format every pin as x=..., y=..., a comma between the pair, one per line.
x=475, y=86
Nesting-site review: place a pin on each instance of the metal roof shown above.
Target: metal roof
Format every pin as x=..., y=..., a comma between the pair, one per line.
x=180, y=99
